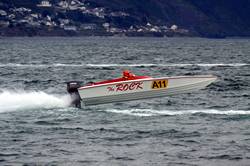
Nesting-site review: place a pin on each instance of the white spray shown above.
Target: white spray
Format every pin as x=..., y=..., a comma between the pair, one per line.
x=12, y=101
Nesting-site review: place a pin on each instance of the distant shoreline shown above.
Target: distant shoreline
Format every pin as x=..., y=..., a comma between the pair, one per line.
x=22, y=32
x=115, y=36
x=29, y=32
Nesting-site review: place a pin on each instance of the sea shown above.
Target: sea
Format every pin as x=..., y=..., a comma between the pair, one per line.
x=207, y=127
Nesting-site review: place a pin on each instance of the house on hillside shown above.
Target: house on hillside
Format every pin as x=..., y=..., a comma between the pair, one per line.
x=3, y=13
x=70, y=28
x=88, y=26
x=4, y=24
x=44, y=4
x=174, y=27
x=63, y=4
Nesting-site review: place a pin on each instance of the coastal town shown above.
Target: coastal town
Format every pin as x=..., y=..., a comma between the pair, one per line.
x=75, y=17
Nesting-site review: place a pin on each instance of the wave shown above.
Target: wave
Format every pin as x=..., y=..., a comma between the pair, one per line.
x=123, y=65
x=168, y=65
x=150, y=112
x=12, y=101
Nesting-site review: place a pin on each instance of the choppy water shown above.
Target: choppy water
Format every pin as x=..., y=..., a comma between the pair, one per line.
x=209, y=127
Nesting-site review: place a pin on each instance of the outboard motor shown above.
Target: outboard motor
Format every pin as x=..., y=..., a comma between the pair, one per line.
x=72, y=88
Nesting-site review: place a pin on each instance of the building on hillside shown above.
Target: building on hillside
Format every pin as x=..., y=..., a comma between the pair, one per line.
x=174, y=27
x=3, y=13
x=4, y=24
x=88, y=26
x=44, y=4
x=70, y=28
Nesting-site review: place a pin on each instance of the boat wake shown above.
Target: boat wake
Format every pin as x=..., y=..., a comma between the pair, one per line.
x=122, y=65
x=150, y=112
x=169, y=65
x=12, y=101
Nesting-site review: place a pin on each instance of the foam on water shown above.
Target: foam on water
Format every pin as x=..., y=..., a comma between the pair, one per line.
x=151, y=112
x=12, y=101
x=122, y=65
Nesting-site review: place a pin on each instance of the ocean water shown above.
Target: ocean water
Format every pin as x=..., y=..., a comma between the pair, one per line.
x=208, y=127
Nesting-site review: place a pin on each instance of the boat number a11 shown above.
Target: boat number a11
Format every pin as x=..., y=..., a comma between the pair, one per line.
x=159, y=84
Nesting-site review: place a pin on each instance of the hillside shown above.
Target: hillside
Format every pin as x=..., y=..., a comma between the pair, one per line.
x=206, y=18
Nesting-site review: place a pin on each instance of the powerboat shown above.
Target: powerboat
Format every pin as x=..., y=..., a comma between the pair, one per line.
x=131, y=87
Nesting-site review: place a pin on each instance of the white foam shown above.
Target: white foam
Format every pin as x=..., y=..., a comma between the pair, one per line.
x=123, y=65
x=12, y=101
x=150, y=112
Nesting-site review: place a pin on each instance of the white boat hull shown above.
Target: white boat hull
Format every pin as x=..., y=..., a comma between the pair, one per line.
x=142, y=89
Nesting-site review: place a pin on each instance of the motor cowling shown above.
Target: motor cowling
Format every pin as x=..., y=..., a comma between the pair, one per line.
x=72, y=88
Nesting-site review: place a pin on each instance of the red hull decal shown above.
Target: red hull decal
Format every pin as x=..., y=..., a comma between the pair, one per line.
x=122, y=87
